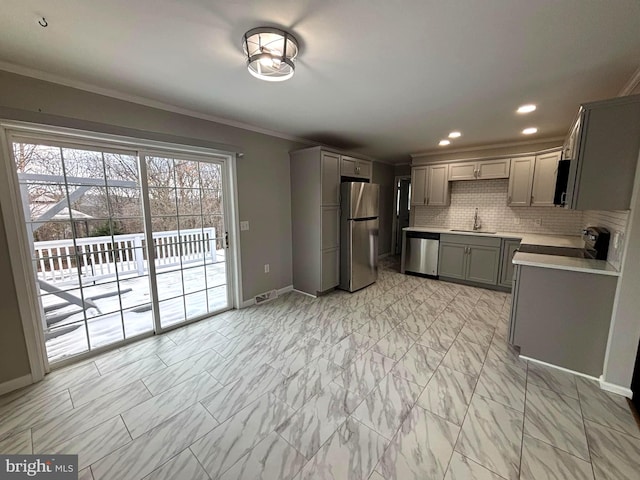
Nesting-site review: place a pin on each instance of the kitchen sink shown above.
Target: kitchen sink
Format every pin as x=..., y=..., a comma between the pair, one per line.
x=474, y=231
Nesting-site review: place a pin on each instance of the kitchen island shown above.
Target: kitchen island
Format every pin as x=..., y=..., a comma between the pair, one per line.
x=561, y=310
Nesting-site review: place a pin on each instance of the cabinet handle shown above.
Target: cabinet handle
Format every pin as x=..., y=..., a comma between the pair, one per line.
x=563, y=198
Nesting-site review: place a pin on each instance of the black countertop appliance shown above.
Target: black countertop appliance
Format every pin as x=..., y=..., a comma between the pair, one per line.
x=596, y=242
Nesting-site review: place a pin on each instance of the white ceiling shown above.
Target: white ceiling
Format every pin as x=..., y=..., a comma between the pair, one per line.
x=381, y=77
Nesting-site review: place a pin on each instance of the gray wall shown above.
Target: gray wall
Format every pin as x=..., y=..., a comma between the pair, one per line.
x=383, y=175
x=263, y=180
x=14, y=362
x=402, y=170
x=625, y=323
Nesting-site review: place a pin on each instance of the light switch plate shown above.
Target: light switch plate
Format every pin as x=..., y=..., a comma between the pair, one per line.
x=244, y=225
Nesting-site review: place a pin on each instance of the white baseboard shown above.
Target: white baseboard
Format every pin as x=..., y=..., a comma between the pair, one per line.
x=15, y=384
x=613, y=388
x=562, y=369
x=252, y=301
x=287, y=289
x=305, y=293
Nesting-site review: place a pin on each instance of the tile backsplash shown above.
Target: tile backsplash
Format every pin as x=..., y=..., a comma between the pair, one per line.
x=490, y=197
x=616, y=222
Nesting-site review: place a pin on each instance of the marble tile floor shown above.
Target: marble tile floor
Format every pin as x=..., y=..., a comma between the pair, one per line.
x=409, y=378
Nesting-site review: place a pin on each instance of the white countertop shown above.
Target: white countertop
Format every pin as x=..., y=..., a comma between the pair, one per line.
x=539, y=260
x=572, y=241
x=586, y=265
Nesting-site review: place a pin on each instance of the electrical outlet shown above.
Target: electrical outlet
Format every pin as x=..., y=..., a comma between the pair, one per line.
x=537, y=221
x=266, y=268
x=516, y=221
x=244, y=225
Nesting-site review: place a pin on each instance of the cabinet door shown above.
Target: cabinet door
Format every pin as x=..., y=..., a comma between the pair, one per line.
x=520, y=182
x=506, y=271
x=363, y=169
x=494, y=169
x=544, y=179
x=438, y=185
x=348, y=166
x=419, y=185
x=330, y=227
x=330, y=269
x=451, y=261
x=330, y=179
x=463, y=171
x=482, y=264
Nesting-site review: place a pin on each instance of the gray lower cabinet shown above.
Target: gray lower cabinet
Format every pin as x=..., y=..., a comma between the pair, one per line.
x=469, y=258
x=509, y=249
x=451, y=261
x=562, y=317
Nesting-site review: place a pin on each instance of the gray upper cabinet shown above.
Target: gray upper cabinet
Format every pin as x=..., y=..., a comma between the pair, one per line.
x=521, y=182
x=544, y=179
x=355, y=167
x=603, y=148
x=489, y=169
x=438, y=185
x=471, y=258
x=419, y=185
x=479, y=170
x=462, y=171
x=430, y=185
x=532, y=181
x=315, y=219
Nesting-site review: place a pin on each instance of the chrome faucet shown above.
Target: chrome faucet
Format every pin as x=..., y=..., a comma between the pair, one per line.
x=476, y=225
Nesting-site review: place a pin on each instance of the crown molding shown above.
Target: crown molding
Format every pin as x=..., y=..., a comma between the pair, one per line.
x=631, y=84
x=147, y=102
x=491, y=146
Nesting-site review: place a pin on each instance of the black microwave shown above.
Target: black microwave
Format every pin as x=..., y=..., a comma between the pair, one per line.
x=562, y=182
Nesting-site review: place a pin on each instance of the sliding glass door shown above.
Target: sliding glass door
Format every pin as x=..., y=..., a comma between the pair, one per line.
x=122, y=244
x=187, y=230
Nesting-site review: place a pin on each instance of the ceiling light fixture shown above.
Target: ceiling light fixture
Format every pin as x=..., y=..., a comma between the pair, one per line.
x=530, y=130
x=455, y=135
x=444, y=143
x=271, y=53
x=526, y=108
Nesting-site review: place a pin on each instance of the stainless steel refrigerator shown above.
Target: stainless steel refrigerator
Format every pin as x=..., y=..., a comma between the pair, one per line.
x=358, y=235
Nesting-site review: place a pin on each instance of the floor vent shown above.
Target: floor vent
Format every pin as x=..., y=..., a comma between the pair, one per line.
x=265, y=297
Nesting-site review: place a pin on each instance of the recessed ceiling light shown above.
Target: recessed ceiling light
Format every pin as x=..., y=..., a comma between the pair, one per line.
x=530, y=130
x=444, y=142
x=455, y=134
x=526, y=108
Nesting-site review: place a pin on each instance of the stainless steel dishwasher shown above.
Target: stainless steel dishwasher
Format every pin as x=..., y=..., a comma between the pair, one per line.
x=421, y=255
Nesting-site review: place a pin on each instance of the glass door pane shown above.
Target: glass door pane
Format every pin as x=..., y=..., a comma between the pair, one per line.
x=83, y=212
x=187, y=223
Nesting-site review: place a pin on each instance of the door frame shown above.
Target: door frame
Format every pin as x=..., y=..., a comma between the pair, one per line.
x=394, y=220
x=18, y=238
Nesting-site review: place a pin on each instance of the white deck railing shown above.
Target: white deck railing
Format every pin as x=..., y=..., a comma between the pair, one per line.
x=102, y=257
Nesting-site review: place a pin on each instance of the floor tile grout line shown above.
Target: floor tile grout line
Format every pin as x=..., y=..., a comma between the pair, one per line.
x=524, y=420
